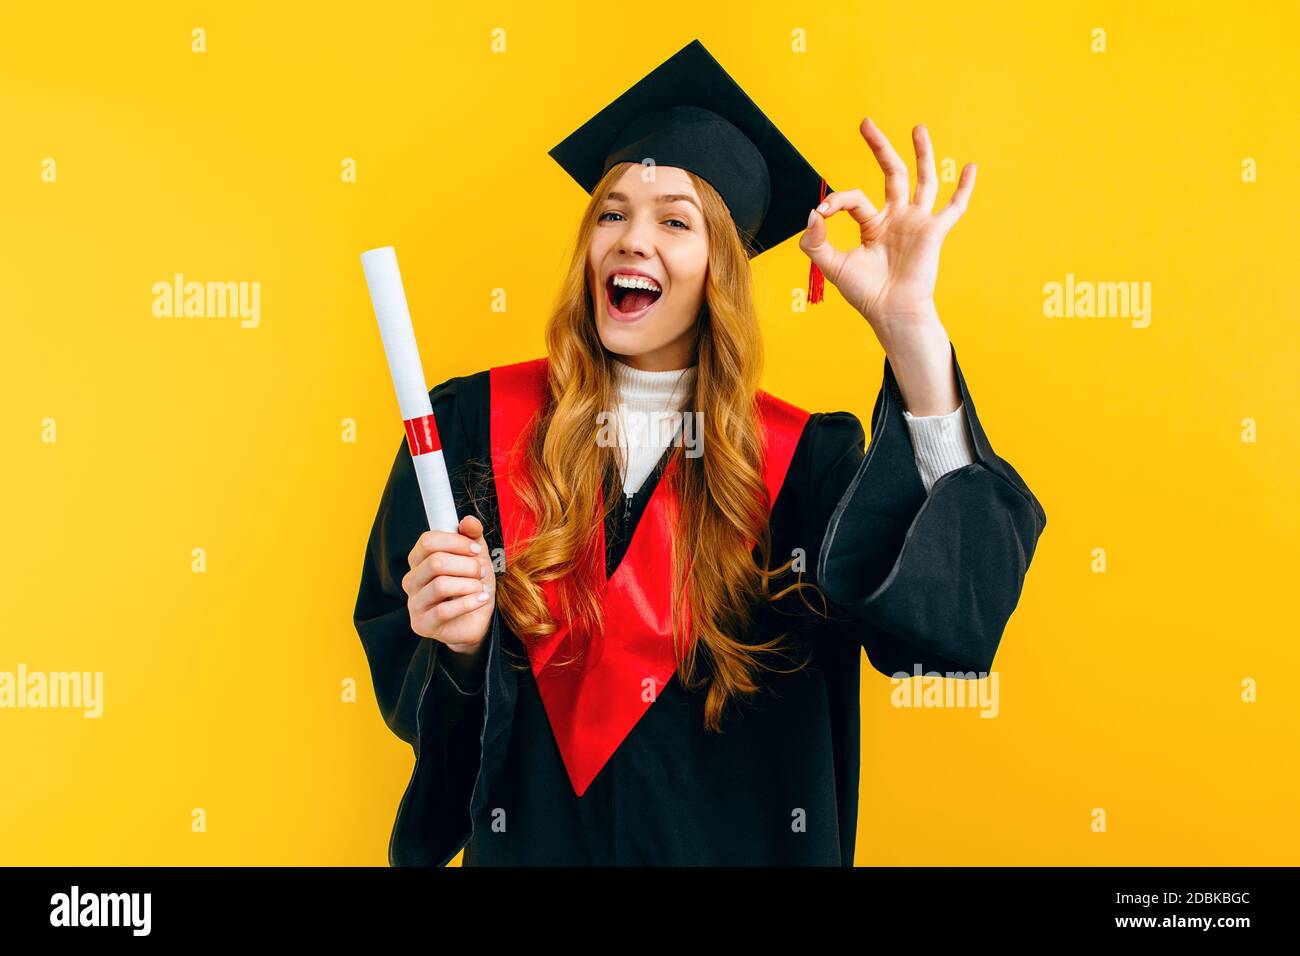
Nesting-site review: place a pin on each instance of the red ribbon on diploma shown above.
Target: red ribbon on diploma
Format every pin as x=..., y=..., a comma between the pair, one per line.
x=422, y=435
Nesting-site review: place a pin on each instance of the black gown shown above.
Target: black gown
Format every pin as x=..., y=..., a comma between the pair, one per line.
x=911, y=579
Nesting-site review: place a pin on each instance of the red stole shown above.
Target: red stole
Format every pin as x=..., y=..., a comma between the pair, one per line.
x=593, y=702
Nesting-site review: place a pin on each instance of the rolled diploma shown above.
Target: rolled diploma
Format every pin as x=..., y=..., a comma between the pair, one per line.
x=389, y=300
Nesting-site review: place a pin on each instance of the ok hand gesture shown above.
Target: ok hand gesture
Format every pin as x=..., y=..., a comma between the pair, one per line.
x=890, y=276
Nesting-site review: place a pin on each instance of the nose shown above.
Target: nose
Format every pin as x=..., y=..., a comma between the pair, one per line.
x=633, y=240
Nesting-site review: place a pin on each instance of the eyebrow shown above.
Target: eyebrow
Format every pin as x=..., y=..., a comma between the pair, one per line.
x=663, y=198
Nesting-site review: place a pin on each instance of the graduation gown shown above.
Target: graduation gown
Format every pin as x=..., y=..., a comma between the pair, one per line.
x=912, y=579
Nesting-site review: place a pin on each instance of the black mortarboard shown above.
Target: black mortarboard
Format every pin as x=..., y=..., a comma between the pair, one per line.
x=688, y=112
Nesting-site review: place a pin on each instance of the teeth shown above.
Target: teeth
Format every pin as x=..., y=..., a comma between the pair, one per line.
x=624, y=281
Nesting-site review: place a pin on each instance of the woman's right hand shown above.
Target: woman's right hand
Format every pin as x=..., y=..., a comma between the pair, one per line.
x=451, y=587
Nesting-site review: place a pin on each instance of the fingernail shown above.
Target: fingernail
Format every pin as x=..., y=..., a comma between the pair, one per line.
x=482, y=572
x=474, y=547
x=481, y=597
x=812, y=217
x=824, y=207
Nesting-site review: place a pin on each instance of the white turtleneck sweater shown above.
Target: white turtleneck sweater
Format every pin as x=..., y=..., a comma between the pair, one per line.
x=939, y=442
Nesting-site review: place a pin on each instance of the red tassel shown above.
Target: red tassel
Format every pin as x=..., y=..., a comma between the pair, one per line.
x=816, y=284
x=816, y=281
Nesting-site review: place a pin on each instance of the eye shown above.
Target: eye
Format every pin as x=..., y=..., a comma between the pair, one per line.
x=680, y=223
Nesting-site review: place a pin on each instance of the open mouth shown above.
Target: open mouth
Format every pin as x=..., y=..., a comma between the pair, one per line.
x=630, y=297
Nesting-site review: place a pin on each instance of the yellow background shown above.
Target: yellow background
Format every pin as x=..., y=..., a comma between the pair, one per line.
x=222, y=690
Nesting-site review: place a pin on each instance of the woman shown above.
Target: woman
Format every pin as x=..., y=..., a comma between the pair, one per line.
x=648, y=652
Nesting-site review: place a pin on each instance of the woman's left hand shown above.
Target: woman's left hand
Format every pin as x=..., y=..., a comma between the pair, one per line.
x=890, y=276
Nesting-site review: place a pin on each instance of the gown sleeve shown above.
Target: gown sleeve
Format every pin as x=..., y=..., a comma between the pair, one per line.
x=417, y=697
x=926, y=579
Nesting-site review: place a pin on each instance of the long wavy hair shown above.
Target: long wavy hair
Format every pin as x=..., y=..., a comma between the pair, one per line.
x=724, y=506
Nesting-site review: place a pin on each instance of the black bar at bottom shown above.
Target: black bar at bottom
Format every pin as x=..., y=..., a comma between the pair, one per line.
x=331, y=904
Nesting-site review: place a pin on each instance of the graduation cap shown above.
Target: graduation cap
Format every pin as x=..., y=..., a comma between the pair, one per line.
x=688, y=112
